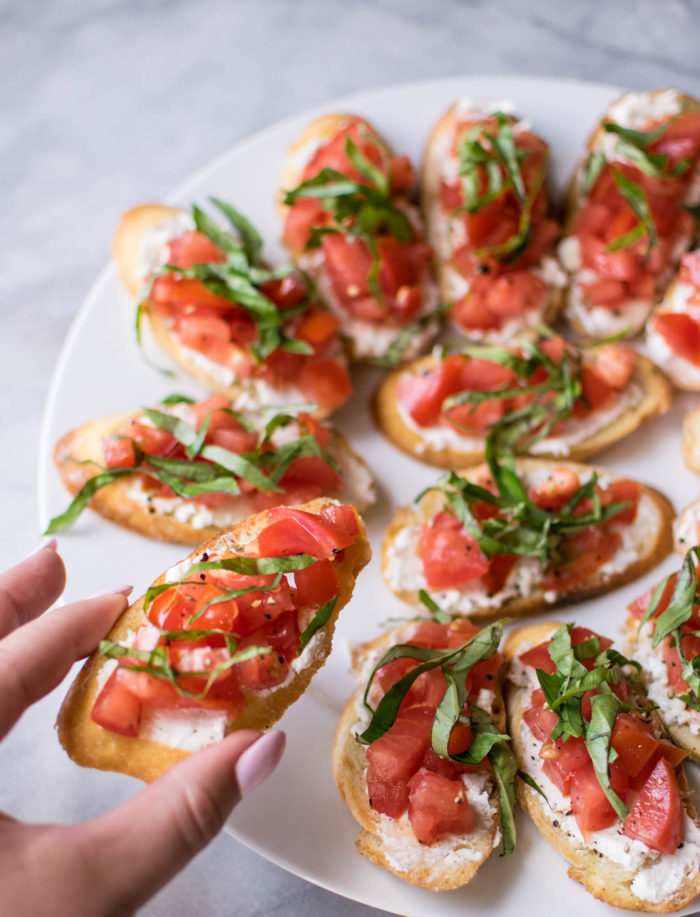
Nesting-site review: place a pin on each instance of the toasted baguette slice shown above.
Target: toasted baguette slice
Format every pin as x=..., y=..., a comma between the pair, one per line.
x=440, y=165
x=140, y=247
x=127, y=504
x=603, y=877
x=450, y=449
x=366, y=340
x=691, y=439
x=648, y=538
x=680, y=721
x=92, y=746
x=598, y=321
x=679, y=300
x=449, y=863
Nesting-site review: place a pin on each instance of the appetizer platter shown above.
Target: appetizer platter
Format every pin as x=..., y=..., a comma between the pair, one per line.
x=301, y=822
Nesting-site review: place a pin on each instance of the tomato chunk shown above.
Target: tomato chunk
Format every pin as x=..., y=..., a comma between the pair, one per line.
x=116, y=707
x=437, y=806
x=656, y=818
x=450, y=555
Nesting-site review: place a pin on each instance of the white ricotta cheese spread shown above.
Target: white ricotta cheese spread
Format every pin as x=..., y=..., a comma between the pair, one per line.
x=672, y=709
x=153, y=251
x=681, y=371
x=685, y=526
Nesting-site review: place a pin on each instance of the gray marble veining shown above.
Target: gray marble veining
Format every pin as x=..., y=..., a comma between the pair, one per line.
x=110, y=102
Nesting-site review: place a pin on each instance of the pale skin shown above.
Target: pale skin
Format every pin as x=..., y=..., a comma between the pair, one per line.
x=111, y=864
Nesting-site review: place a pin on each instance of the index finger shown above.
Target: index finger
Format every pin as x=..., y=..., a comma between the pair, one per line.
x=35, y=658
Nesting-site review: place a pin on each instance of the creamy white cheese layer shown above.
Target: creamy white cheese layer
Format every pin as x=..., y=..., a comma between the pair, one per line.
x=404, y=569
x=672, y=709
x=685, y=526
x=573, y=432
x=635, y=110
x=680, y=371
x=656, y=875
x=153, y=250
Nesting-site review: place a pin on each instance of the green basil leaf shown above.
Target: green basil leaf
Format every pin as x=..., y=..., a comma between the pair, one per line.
x=65, y=520
x=250, y=237
x=604, y=709
x=319, y=620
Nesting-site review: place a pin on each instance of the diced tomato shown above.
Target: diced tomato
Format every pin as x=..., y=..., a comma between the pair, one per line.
x=582, y=555
x=623, y=491
x=151, y=440
x=538, y=656
x=312, y=468
x=437, y=806
x=282, y=634
x=193, y=248
x=681, y=333
x=261, y=671
x=450, y=555
x=343, y=517
x=317, y=328
x=316, y=585
x=300, y=218
x=500, y=566
x=540, y=720
x=288, y=291
x=472, y=314
x=607, y=293
x=589, y=804
x=423, y=395
x=402, y=174
x=293, y=531
x=174, y=289
x=634, y=742
x=394, y=758
x=613, y=364
x=656, y=818
x=119, y=451
x=561, y=760
x=556, y=490
x=690, y=269
x=116, y=708
x=325, y=382
x=691, y=649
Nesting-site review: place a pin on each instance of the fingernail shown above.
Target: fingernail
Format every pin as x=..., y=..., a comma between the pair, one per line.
x=259, y=760
x=115, y=590
x=44, y=543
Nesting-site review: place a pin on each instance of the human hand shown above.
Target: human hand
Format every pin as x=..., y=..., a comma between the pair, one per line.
x=111, y=864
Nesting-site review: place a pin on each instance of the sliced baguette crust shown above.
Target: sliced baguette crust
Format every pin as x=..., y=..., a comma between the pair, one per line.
x=691, y=440
x=349, y=765
x=126, y=245
x=679, y=733
x=658, y=545
x=115, y=503
x=655, y=401
x=317, y=133
x=132, y=229
x=573, y=200
x=92, y=746
x=436, y=224
x=604, y=879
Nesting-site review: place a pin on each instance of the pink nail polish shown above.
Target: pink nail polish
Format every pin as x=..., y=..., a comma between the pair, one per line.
x=259, y=760
x=115, y=590
x=50, y=543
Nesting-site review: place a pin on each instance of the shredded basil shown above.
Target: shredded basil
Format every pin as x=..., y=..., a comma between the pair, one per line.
x=320, y=619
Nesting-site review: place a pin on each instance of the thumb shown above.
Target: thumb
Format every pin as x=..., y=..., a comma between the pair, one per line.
x=139, y=846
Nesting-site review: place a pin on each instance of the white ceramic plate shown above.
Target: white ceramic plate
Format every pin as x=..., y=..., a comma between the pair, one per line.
x=298, y=820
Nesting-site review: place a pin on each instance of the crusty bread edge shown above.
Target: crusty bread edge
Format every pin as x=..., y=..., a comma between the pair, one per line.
x=658, y=548
x=656, y=400
x=604, y=879
x=691, y=440
x=92, y=746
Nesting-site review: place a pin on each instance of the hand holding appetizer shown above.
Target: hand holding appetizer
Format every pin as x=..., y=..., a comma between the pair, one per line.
x=602, y=783
x=485, y=201
x=673, y=331
x=546, y=396
x=420, y=755
x=515, y=537
x=184, y=471
x=254, y=333
x=113, y=863
x=631, y=211
x=349, y=223
x=224, y=640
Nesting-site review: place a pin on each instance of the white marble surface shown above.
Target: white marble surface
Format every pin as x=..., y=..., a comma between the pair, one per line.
x=110, y=102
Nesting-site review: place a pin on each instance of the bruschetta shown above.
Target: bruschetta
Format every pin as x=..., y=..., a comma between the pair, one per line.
x=257, y=335
x=673, y=331
x=350, y=224
x=550, y=398
x=517, y=537
x=661, y=622
x=484, y=197
x=184, y=471
x=225, y=639
x=628, y=221
x=428, y=797
x=602, y=783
